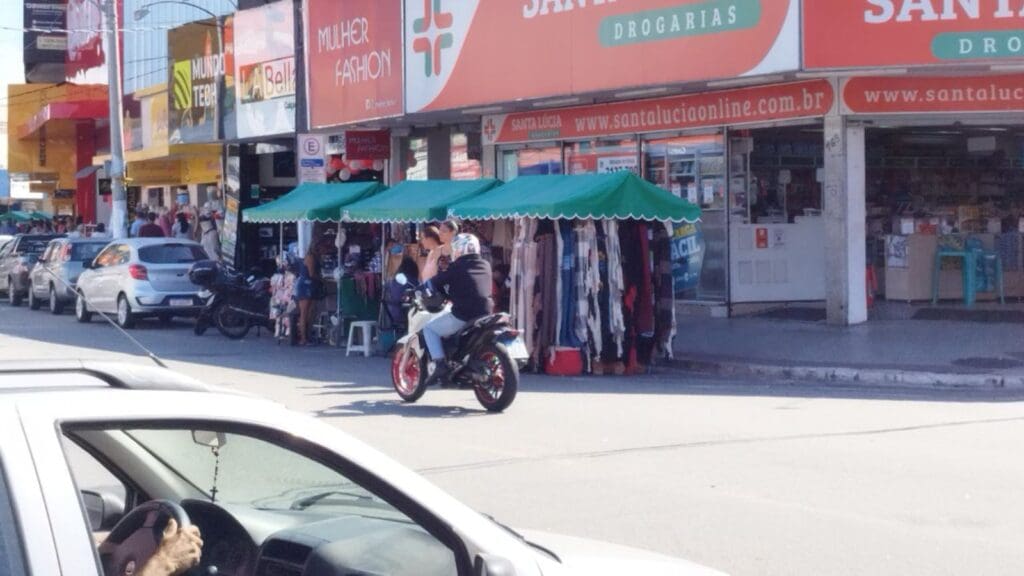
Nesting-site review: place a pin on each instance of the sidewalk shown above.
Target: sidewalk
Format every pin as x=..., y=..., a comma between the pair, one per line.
x=916, y=353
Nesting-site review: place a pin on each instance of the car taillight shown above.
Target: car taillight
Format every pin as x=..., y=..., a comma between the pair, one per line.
x=65, y=254
x=138, y=272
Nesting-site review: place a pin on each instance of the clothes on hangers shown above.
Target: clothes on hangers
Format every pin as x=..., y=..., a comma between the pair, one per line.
x=616, y=287
x=588, y=286
x=569, y=305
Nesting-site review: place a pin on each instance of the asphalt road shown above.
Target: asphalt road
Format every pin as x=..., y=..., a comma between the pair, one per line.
x=748, y=477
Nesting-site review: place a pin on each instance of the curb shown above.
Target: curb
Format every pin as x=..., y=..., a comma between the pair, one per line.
x=845, y=374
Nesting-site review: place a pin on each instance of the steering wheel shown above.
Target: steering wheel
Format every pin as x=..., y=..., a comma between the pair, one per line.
x=136, y=538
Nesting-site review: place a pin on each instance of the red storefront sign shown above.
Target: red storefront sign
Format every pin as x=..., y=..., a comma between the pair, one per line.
x=469, y=52
x=368, y=145
x=893, y=95
x=355, y=60
x=805, y=99
x=911, y=32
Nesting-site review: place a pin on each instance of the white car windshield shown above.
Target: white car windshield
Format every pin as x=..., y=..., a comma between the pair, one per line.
x=253, y=472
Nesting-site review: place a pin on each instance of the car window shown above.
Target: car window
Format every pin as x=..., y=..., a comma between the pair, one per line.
x=264, y=473
x=84, y=251
x=33, y=244
x=107, y=257
x=171, y=254
x=11, y=553
x=124, y=254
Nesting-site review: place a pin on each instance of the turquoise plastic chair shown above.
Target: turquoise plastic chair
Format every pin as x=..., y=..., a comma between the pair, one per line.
x=988, y=268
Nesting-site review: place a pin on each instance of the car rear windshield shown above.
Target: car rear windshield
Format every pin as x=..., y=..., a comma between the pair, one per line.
x=171, y=254
x=34, y=244
x=80, y=252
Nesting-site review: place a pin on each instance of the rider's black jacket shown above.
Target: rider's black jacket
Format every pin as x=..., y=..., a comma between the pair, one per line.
x=467, y=283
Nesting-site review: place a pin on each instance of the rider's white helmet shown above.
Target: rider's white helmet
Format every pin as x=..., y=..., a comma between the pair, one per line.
x=465, y=244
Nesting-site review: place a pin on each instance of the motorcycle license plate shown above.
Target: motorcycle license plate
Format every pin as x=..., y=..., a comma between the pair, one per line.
x=516, y=348
x=181, y=302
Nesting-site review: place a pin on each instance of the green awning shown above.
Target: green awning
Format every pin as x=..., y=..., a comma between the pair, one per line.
x=15, y=216
x=621, y=195
x=40, y=215
x=417, y=200
x=311, y=202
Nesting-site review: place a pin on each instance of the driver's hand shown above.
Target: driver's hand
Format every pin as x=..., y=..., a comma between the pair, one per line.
x=179, y=550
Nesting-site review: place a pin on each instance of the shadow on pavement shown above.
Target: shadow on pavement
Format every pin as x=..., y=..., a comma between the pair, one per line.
x=397, y=408
x=175, y=342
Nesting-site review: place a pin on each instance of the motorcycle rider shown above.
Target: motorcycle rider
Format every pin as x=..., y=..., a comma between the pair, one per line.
x=467, y=284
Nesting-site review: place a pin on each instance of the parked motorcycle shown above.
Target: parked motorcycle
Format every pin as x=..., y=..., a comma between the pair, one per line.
x=234, y=304
x=485, y=355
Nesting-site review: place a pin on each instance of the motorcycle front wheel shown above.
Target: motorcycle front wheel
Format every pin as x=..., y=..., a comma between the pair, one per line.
x=408, y=373
x=500, y=378
x=232, y=324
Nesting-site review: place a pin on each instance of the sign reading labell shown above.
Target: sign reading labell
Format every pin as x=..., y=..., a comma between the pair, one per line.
x=470, y=52
x=911, y=32
x=805, y=99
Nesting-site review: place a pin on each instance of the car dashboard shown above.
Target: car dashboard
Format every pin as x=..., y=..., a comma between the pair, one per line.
x=243, y=541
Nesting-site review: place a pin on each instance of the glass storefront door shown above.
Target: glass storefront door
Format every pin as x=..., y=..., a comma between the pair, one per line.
x=693, y=168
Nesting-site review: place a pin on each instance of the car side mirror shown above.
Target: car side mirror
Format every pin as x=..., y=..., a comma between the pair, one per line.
x=103, y=509
x=487, y=565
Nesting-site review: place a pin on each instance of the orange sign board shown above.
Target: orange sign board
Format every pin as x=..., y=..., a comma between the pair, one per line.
x=804, y=99
x=471, y=52
x=911, y=32
x=908, y=94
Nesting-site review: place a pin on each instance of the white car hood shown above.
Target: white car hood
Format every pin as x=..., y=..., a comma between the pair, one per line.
x=594, y=558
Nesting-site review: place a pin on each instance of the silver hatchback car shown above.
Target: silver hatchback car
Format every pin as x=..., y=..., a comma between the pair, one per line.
x=53, y=278
x=140, y=277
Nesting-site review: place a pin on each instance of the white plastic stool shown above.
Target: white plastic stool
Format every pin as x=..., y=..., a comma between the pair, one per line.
x=366, y=328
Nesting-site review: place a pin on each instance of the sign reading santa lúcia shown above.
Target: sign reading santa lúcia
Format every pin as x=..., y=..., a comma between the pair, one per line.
x=470, y=52
x=911, y=32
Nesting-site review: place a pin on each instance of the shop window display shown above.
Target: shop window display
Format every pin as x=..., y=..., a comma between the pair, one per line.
x=414, y=161
x=465, y=156
x=532, y=162
x=693, y=168
x=944, y=187
x=601, y=156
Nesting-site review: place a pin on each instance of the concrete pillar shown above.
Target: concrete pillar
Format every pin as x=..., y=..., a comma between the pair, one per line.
x=845, y=214
x=489, y=161
x=439, y=153
x=395, y=165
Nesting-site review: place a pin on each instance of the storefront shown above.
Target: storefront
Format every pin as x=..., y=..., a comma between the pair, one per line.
x=944, y=171
x=930, y=136
x=751, y=158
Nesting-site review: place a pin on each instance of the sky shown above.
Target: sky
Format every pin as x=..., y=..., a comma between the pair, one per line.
x=11, y=69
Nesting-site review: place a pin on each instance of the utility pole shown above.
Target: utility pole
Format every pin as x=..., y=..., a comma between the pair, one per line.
x=119, y=210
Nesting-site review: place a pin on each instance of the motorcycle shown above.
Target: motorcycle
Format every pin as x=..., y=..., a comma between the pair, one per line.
x=234, y=304
x=485, y=355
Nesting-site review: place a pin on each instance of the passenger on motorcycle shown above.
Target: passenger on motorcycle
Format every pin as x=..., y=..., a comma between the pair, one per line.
x=467, y=285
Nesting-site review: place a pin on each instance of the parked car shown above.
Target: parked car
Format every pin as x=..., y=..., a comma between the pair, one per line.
x=140, y=277
x=92, y=448
x=53, y=278
x=17, y=258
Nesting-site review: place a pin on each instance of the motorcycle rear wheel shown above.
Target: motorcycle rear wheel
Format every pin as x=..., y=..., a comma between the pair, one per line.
x=501, y=378
x=408, y=374
x=232, y=324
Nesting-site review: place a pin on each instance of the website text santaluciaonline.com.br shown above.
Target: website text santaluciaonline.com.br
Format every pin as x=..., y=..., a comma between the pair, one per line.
x=967, y=94
x=725, y=109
